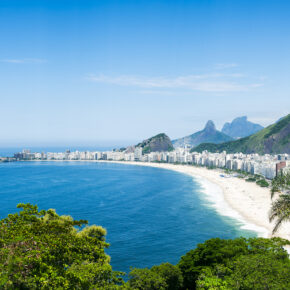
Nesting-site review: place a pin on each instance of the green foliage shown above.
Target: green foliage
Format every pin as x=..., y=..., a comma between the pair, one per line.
x=281, y=183
x=280, y=210
x=160, y=142
x=210, y=279
x=253, y=271
x=256, y=143
x=171, y=274
x=211, y=147
x=146, y=150
x=251, y=179
x=230, y=147
x=42, y=250
x=262, y=183
x=212, y=264
x=260, y=271
x=146, y=279
x=212, y=252
x=278, y=126
x=164, y=276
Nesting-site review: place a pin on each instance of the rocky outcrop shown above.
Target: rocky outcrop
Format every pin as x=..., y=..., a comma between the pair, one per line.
x=241, y=127
x=158, y=143
x=208, y=135
x=273, y=139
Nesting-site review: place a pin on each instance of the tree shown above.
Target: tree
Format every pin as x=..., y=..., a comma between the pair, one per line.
x=42, y=250
x=209, y=280
x=210, y=253
x=146, y=279
x=260, y=271
x=281, y=183
x=164, y=276
x=252, y=271
x=211, y=264
x=171, y=274
x=280, y=210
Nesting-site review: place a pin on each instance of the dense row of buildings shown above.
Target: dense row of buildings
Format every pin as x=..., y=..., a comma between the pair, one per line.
x=266, y=165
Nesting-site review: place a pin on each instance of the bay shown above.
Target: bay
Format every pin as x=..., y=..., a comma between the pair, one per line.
x=151, y=215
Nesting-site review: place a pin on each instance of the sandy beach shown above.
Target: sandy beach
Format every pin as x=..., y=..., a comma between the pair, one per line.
x=230, y=196
x=244, y=201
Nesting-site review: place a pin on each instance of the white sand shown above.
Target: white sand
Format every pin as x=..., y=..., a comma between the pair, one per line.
x=234, y=197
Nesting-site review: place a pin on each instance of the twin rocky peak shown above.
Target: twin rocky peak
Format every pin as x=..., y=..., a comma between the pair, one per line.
x=249, y=136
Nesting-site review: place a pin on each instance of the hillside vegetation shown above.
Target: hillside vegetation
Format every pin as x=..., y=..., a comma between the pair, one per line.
x=42, y=250
x=158, y=143
x=273, y=139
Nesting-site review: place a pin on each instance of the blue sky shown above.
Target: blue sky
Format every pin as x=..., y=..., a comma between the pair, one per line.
x=116, y=72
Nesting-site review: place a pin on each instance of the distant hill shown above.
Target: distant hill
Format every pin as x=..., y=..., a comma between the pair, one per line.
x=208, y=135
x=241, y=127
x=160, y=142
x=273, y=139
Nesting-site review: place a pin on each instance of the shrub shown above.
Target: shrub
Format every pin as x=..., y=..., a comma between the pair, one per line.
x=42, y=250
x=251, y=179
x=262, y=183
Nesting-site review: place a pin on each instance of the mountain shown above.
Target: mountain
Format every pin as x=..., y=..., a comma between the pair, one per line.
x=241, y=127
x=160, y=142
x=208, y=135
x=273, y=139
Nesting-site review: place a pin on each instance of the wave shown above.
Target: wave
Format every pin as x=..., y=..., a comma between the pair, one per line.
x=214, y=196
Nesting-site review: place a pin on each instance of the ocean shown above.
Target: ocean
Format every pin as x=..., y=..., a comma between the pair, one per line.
x=152, y=215
x=9, y=151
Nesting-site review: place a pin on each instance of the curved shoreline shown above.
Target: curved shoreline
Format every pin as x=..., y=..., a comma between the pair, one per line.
x=214, y=194
x=243, y=201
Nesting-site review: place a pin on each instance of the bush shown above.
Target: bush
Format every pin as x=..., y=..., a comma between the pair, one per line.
x=171, y=274
x=42, y=250
x=262, y=183
x=217, y=263
x=260, y=272
x=164, y=276
x=146, y=279
x=212, y=252
x=251, y=179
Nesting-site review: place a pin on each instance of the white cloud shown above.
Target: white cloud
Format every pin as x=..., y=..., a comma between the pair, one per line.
x=203, y=83
x=24, y=60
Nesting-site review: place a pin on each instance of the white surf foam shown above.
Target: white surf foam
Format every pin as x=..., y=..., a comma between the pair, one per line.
x=214, y=196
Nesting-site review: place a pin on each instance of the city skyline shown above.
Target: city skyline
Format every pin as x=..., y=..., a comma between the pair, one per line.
x=268, y=165
x=117, y=72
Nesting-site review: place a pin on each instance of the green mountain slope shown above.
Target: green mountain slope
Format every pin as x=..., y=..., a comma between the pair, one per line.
x=209, y=135
x=273, y=139
x=158, y=143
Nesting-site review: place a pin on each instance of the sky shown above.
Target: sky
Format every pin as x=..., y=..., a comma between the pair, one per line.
x=116, y=72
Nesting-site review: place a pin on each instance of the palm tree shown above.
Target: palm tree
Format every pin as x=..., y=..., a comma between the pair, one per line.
x=280, y=210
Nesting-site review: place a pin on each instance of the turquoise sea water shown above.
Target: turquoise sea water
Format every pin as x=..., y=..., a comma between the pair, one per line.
x=152, y=215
